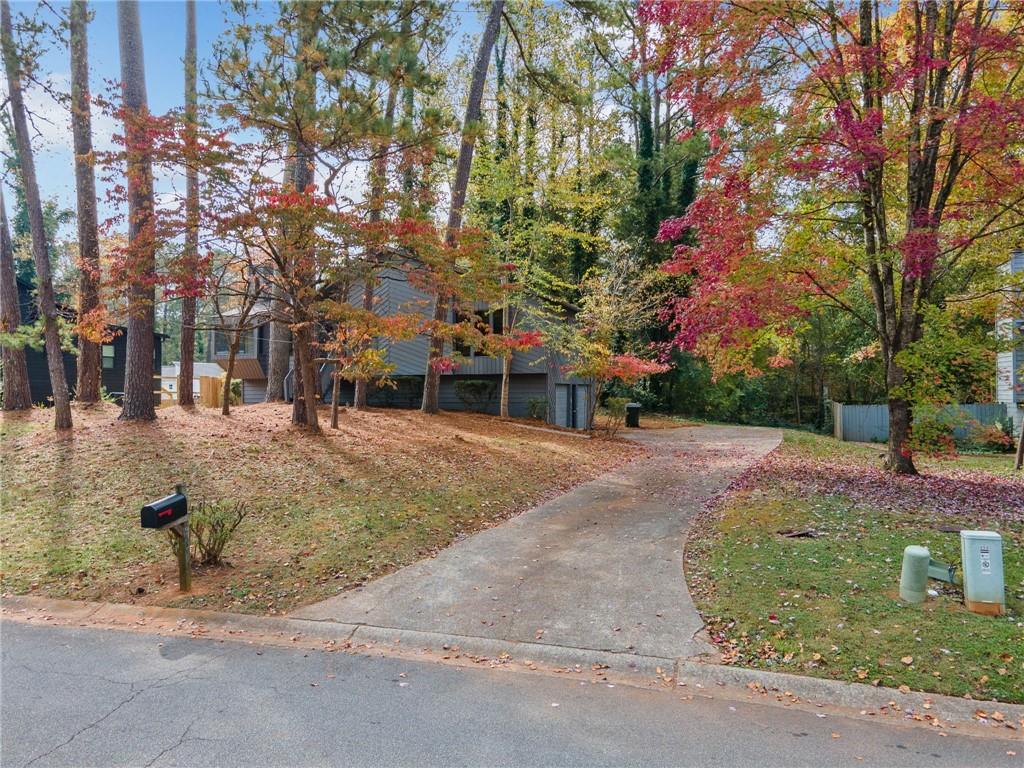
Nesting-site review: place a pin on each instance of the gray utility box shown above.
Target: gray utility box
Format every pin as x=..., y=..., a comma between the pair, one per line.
x=981, y=554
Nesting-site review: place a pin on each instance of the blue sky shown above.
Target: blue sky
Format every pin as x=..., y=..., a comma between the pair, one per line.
x=163, y=33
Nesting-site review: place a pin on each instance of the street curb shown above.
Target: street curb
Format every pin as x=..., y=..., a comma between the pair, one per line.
x=697, y=677
x=559, y=657
x=160, y=620
x=855, y=696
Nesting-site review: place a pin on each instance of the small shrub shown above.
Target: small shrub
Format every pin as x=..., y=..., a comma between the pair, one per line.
x=537, y=408
x=475, y=394
x=211, y=525
x=932, y=431
x=614, y=414
x=990, y=438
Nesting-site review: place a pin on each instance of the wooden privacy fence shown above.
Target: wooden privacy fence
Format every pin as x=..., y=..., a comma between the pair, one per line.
x=210, y=390
x=870, y=423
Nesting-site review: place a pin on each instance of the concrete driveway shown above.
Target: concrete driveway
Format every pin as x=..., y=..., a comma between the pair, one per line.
x=598, y=569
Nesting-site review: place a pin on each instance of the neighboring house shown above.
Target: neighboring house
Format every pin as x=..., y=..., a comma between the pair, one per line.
x=1009, y=381
x=169, y=376
x=537, y=376
x=114, y=354
x=252, y=360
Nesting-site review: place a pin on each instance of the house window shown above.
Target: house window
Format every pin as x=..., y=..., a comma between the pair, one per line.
x=496, y=319
x=460, y=347
x=108, y=357
x=246, y=347
x=491, y=321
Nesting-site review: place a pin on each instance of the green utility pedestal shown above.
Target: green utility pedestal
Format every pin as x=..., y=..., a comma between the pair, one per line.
x=914, y=578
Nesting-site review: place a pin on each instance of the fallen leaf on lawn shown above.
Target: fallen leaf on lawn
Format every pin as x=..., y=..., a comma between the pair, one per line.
x=907, y=660
x=904, y=688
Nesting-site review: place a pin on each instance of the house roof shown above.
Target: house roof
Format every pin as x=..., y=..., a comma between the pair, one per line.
x=198, y=369
x=67, y=312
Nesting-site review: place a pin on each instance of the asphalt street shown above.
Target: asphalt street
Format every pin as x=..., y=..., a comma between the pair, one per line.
x=90, y=697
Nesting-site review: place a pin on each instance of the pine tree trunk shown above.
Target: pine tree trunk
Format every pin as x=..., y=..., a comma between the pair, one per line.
x=225, y=404
x=377, y=181
x=17, y=396
x=303, y=339
x=138, y=378
x=88, y=390
x=280, y=335
x=303, y=267
x=298, y=392
x=432, y=377
x=40, y=251
x=187, y=344
x=280, y=349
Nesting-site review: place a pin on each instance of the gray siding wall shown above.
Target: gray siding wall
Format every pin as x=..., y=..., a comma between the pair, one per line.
x=521, y=390
x=394, y=294
x=253, y=391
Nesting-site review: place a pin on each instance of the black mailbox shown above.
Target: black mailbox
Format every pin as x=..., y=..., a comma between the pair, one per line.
x=163, y=512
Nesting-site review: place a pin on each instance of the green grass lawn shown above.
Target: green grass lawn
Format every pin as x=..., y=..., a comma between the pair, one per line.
x=325, y=513
x=828, y=606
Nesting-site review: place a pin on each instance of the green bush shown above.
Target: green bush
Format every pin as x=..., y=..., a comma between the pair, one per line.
x=990, y=438
x=537, y=408
x=475, y=394
x=614, y=414
x=932, y=431
x=211, y=525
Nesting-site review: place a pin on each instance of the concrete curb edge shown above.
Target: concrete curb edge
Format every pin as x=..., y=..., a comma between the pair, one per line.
x=726, y=681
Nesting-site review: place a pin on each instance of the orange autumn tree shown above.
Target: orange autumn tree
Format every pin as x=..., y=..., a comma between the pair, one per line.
x=869, y=156
x=589, y=343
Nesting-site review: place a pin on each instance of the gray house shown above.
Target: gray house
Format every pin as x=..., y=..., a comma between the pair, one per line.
x=538, y=383
x=1009, y=364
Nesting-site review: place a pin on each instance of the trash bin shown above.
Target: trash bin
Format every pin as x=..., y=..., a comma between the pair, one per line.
x=632, y=414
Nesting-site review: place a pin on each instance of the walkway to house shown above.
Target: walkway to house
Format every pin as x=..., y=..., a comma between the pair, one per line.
x=599, y=568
